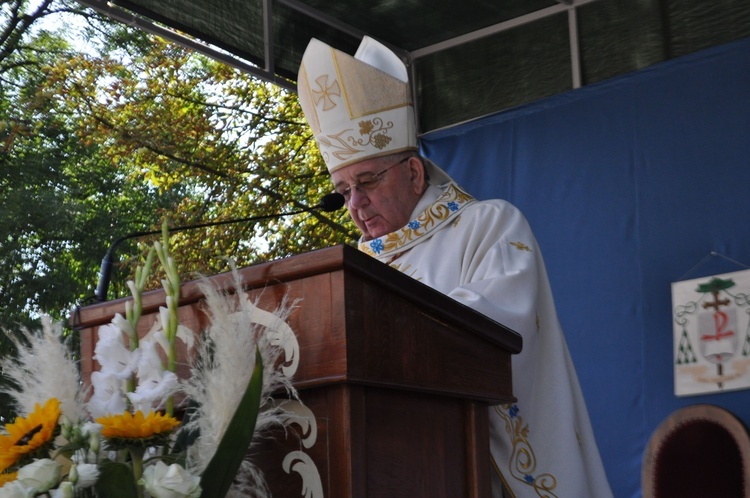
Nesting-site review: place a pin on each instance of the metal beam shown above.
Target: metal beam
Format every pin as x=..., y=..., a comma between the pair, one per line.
x=268, y=36
x=339, y=25
x=324, y=18
x=575, y=51
x=127, y=17
x=268, y=72
x=496, y=28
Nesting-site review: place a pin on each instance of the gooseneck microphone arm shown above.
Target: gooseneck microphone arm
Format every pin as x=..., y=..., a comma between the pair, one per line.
x=329, y=203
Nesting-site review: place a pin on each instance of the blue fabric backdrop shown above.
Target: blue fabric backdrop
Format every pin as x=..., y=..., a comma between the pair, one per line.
x=629, y=185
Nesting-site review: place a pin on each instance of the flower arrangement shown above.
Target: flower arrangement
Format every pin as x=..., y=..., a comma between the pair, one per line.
x=122, y=436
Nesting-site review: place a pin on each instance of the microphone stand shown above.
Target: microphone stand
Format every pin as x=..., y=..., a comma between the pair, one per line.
x=329, y=202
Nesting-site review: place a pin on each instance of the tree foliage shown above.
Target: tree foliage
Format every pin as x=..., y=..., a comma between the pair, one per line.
x=132, y=130
x=49, y=180
x=107, y=131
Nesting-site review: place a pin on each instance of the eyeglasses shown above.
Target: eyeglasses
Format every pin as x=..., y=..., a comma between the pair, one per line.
x=368, y=181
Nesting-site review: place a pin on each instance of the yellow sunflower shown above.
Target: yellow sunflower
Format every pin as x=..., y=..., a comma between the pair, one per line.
x=8, y=477
x=28, y=435
x=128, y=426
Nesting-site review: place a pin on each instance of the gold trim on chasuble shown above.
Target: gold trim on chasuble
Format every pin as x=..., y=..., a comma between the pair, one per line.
x=521, y=465
x=520, y=246
x=522, y=462
x=447, y=207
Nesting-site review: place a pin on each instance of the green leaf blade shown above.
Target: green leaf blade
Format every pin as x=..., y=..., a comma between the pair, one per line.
x=116, y=480
x=221, y=470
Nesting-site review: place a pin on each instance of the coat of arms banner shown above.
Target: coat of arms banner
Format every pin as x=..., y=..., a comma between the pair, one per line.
x=711, y=320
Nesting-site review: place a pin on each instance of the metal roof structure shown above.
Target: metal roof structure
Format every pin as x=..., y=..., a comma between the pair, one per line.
x=467, y=59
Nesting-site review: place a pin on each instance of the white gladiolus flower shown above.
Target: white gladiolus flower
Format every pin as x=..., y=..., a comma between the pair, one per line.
x=133, y=291
x=164, y=311
x=157, y=334
x=121, y=323
x=154, y=383
x=112, y=354
x=149, y=364
x=152, y=391
x=170, y=482
x=40, y=475
x=108, y=395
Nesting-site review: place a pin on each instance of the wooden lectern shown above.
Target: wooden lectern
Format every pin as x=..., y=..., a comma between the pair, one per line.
x=397, y=375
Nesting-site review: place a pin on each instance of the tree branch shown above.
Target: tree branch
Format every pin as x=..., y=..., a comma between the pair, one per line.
x=18, y=24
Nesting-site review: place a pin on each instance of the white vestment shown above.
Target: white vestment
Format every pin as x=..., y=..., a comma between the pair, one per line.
x=484, y=255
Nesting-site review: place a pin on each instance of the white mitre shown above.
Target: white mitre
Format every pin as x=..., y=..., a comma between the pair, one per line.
x=358, y=107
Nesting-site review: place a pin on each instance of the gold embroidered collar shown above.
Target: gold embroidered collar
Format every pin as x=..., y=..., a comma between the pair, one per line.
x=446, y=208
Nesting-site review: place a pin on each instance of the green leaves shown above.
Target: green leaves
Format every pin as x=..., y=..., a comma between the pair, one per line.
x=116, y=481
x=101, y=143
x=218, y=476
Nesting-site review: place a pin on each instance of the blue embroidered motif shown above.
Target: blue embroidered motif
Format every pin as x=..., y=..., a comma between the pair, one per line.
x=529, y=479
x=453, y=206
x=377, y=246
x=513, y=411
x=414, y=224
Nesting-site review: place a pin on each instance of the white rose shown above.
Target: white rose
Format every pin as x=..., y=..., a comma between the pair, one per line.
x=40, y=475
x=64, y=491
x=88, y=473
x=170, y=482
x=15, y=489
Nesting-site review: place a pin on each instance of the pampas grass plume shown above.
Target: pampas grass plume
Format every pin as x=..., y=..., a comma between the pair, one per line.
x=226, y=358
x=44, y=368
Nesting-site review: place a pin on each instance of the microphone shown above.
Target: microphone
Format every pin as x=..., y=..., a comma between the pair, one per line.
x=331, y=202
x=328, y=203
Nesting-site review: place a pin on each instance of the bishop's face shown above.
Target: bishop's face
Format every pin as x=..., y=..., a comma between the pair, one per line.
x=380, y=193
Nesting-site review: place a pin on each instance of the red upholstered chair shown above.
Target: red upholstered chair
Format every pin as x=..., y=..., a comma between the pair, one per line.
x=700, y=451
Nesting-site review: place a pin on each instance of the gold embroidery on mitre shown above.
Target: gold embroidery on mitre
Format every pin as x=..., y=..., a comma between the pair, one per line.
x=520, y=246
x=345, y=144
x=306, y=100
x=325, y=92
x=368, y=90
x=339, y=93
x=337, y=145
x=522, y=462
x=376, y=132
